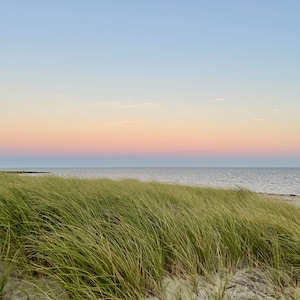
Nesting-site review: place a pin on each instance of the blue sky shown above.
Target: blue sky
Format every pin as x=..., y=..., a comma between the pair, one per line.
x=98, y=79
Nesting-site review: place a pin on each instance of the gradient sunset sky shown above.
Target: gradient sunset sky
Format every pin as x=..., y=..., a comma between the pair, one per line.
x=149, y=83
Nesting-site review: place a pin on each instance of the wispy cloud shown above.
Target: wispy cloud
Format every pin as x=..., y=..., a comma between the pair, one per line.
x=182, y=153
x=255, y=120
x=275, y=110
x=216, y=100
x=190, y=151
x=150, y=104
x=126, y=105
x=133, y=123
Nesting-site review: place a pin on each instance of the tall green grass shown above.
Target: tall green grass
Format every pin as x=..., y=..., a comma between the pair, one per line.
x=104, y=239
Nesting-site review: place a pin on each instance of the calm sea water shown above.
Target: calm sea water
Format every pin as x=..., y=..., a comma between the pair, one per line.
x=266, y=180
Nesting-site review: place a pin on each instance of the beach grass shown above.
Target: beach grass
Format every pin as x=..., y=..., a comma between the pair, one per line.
x=105, y=239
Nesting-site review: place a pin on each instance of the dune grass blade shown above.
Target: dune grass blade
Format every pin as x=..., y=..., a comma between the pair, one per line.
x=104, y=239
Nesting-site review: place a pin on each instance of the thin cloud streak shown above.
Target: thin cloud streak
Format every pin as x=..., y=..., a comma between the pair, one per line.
x=133, y=123
x=255, y=120
x=216, y=100
x=126, y=105
x=181, y=152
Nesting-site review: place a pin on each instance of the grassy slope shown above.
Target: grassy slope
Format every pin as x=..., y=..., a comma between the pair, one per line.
x=117, y=239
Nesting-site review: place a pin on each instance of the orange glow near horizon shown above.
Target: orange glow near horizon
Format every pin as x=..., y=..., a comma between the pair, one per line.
x=144, y=139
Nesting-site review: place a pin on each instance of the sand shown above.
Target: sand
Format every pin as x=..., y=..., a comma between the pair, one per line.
x=241, y=284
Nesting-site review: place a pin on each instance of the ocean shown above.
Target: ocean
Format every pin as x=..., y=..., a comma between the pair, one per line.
x=263, y=180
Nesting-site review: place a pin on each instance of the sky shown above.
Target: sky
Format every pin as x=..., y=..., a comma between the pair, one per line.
x=149, y=83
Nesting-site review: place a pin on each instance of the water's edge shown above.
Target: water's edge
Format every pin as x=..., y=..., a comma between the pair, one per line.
x=285, y=181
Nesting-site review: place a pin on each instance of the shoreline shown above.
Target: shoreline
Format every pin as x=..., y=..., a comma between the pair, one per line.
x=291, y=198
x=25, y=172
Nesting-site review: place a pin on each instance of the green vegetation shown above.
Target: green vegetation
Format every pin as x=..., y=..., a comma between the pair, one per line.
x=104, y=239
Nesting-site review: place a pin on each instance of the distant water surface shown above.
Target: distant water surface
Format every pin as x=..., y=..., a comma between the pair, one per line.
x=265, y=180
